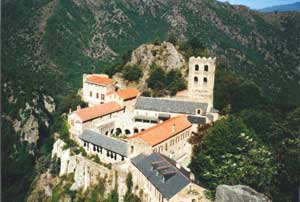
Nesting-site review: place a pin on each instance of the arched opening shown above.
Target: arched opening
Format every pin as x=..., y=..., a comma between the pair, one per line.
x=196, y=67
x=106, y=133
x=206, y=68
x=205, y=80
x=112, y=131
x=196, y=80
x=118, y=131
x=135, y=130
x=127, y=132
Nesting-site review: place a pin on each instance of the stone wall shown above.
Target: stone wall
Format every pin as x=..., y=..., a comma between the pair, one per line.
x=86, y=172
x=201, y=79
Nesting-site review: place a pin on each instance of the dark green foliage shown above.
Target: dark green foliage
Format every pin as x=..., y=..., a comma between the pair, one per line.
x=172, y=38
x=18, y=171
x=233, y=94
x=230, y=154
x=55, y=166
x=175, y=81
x=132, y=73
x=162, y=82
x=274, y=134
x=70, y=101
x=157, y=77
x=129, y=196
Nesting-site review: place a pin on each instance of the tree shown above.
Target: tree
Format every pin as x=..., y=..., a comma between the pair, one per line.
x=231, y=154
x=132, y=73
x=156, y=80
x=129, y=196
x=175, y=81
x=172, y=38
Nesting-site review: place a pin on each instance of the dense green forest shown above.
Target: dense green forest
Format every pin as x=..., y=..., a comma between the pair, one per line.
x=49, y=44
x=256, y=143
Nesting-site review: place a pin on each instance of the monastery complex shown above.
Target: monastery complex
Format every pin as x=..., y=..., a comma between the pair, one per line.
x=148, y=134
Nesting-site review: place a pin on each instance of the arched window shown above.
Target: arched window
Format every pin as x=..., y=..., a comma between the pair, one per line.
x=205, y=80
x=118, y=131
x=196, y=67
x=195, y=79
x=127, y=132
x=198, y=111
x=206, y=68
x=135, y=130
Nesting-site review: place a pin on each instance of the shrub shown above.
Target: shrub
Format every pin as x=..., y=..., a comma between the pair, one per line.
x=132, y=73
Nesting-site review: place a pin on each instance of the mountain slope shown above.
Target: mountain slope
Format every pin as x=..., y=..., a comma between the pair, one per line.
x=49, y=44
x=281, y=8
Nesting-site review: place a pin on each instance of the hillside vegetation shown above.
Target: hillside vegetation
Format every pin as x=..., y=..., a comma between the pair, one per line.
x=49, y=44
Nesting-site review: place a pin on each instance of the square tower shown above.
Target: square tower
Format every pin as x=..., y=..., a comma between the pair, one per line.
x=201, y=79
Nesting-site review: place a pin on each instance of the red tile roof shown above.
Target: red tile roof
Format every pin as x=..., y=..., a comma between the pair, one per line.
x=182, y=92
x=99, y=80
x=128, y=93
x=163, y=131
x=90, y=113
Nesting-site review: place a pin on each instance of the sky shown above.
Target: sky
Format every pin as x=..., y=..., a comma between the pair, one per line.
x=257, y=4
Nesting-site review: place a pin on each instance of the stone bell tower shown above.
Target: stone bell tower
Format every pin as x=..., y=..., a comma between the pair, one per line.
x=201, y=80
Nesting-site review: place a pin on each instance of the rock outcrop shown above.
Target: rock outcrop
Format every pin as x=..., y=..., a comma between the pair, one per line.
x=49, y=103
x=164, y=55
x=239, y=193
x=30, y=130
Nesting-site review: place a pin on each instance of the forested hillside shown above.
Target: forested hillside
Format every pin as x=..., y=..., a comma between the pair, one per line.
x=48, y=44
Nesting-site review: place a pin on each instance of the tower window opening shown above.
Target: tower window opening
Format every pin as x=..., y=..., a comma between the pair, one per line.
x=196, y=80
x=206, y=68
x=196, y=67
x=205, y=80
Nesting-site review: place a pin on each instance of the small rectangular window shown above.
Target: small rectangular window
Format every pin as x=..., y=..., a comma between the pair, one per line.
x=97, y=95
x=206, y=68
x=205, y=80
x=91, y=94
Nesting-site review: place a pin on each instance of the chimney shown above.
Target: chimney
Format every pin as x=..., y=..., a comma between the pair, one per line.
x=178, y=165
x=192, y=176
x=173, y=128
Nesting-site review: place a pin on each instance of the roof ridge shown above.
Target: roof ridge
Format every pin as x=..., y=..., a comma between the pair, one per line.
x=175, y=167
x=158, y=125
x=113, y=138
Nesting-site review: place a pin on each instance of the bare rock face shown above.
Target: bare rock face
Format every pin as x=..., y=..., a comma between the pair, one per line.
x=30, y=130
x=164, y=55
x=49, y=103
x=58, y=148
x=239, y=193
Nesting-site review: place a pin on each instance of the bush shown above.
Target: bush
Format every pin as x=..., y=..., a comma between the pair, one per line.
x=156, y=80
x=132, y=73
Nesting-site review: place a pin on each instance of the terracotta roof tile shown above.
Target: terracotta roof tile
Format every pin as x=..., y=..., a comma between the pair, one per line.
x=128, y=93
x=163, y=131
x=182, y=92
x=98, y=79
x=89, y=113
